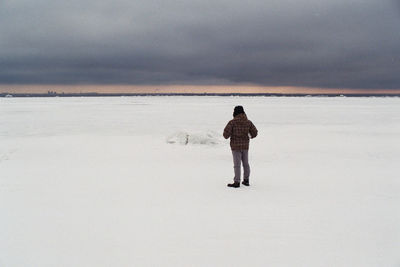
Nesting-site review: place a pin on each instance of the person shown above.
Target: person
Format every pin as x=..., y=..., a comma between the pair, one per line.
x=240, y=129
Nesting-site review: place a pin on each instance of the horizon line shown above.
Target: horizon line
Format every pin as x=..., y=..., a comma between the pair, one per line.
x=182, y=89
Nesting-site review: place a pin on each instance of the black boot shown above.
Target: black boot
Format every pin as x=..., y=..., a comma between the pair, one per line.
x=235, y=184
x=246, y=182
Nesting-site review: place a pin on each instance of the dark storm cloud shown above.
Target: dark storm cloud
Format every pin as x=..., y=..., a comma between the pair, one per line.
x=333, y=44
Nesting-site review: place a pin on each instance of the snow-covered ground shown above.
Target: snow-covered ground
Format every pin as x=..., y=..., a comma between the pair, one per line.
x=141, y=181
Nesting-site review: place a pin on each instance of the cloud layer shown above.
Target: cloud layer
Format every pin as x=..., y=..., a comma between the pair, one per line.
x=313, y=43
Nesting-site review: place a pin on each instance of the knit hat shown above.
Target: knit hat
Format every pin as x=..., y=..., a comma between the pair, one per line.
x=238, y=110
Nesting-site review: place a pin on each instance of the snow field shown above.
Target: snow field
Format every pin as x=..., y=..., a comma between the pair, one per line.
x=96, y=182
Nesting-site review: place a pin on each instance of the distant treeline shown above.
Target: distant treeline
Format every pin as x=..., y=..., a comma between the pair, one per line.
x=55, y=94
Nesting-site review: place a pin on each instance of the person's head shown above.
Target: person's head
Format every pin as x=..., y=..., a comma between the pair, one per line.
x=238, y=110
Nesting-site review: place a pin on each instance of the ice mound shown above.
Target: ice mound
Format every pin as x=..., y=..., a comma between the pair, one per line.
x=185, y=138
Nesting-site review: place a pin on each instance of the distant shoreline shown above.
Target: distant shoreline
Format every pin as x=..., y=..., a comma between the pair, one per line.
x=54, y=94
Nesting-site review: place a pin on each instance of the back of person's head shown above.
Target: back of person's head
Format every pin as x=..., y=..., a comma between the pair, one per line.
x=238, y=110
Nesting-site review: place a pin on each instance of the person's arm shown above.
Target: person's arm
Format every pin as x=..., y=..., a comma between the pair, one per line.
x=253, y=130
x=228, y=130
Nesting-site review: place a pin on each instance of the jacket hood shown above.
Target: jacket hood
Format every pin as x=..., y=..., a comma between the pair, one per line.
x=241, y=116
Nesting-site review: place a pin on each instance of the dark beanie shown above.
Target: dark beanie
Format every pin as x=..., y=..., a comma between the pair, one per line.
x=238, y=110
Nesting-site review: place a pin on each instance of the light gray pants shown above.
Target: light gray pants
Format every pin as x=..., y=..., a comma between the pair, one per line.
x=240, y=156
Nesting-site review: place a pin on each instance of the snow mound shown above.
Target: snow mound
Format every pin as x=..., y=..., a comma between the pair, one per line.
x=185, y=138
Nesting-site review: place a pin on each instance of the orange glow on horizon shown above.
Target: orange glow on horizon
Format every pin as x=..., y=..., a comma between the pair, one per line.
x=244, y=88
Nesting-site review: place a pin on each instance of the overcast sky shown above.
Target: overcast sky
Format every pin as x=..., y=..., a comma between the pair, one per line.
x=307, y=43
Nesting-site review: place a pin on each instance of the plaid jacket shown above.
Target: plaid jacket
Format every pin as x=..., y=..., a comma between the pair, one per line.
x=239, y=130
